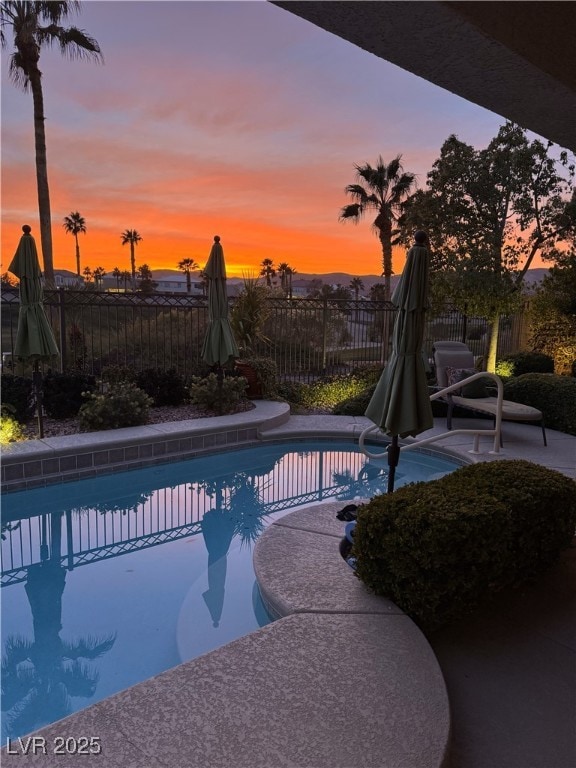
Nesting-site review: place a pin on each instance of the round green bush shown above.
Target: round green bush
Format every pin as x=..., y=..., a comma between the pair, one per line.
x=554, y=395
x=218, y=396
x=438, y=548
x=124, y=405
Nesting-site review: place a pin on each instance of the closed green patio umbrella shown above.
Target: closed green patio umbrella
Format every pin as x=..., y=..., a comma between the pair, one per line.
x=219, y=343
x=400, y=405
x=34, y=337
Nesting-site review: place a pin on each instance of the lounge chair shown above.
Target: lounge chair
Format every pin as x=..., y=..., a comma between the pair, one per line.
x=454, y=362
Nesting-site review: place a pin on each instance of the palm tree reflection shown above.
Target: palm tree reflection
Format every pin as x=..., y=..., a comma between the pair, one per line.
x=40, y=676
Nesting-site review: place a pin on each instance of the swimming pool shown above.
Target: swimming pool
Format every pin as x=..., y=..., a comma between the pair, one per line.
x=109, y=581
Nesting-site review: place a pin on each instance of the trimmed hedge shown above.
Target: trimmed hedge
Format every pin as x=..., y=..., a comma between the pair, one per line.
x=438, y=548
x=554, y=395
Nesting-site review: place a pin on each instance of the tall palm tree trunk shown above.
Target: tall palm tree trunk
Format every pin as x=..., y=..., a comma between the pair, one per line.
x=42, y=177
x=386, y=263
x=133, y=265
x=77, y=253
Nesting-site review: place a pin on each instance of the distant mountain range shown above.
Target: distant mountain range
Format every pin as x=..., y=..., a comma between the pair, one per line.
x=533, y=276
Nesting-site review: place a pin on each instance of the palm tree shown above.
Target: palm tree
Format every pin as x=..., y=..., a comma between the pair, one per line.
x=356, y=285
x=43, y=673
x=268, y=271
x=187, y=266
x=98, y=274
x=73, y=225
x=145, y=283
x=203, y=282
x=117, y=273
x=125, y=276
x=36, y=25
x=88, y=275
x=285, y=271
x=133, y=237
x=382, y=188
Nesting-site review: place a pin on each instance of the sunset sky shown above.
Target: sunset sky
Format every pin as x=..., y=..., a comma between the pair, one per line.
x=229, y=118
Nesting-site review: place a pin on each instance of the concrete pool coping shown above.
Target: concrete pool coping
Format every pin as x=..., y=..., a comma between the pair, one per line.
x=343, y=676
x=35, y=463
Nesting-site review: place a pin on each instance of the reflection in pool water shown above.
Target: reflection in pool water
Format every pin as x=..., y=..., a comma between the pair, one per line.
x=109, y=581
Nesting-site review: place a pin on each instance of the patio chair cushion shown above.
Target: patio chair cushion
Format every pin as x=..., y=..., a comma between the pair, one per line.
x=457, y=356
x=473, y=389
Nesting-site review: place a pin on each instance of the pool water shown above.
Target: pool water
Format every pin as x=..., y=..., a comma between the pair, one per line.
x=111, y=580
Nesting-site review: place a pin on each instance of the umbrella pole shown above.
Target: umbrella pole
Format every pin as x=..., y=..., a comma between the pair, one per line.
x=220, y=377
x=37, y=381
x=393, y=458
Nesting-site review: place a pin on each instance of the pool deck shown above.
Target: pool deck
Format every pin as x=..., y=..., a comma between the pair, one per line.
x=343, y=679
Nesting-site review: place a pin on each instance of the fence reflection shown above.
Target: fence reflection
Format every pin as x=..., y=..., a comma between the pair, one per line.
x=97, y=519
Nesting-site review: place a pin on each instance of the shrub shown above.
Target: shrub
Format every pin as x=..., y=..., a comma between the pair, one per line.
x=17, y=392
x=222, y=397
x=438, y=548
x=124, y=405
x=355, y=406
x=329, y=391
x=10, y=429
x=524, y=362
x=115, y=374
x=164, y=387
x=266, y=372
x=63, y=393
x=554, y=395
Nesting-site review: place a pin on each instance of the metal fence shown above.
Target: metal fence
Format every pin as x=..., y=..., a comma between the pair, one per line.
x=306, y=337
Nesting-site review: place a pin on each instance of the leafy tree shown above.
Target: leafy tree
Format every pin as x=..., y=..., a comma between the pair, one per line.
x=88, y=274
x=268, y=271
x=488, y=214
x=382, y=188
x=553, y=315
x=36, y=25
x=314, y=287
x=133, y=237
x=188, y=266
x=377, y=292
x=73, y=225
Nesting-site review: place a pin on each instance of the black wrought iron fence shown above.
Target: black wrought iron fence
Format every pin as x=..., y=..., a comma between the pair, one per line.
x=306, y=337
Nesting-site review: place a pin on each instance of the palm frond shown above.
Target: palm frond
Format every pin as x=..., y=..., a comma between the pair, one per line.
x=73, y=42
x=88, y=648
x=353, y=211
x=79, y=680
